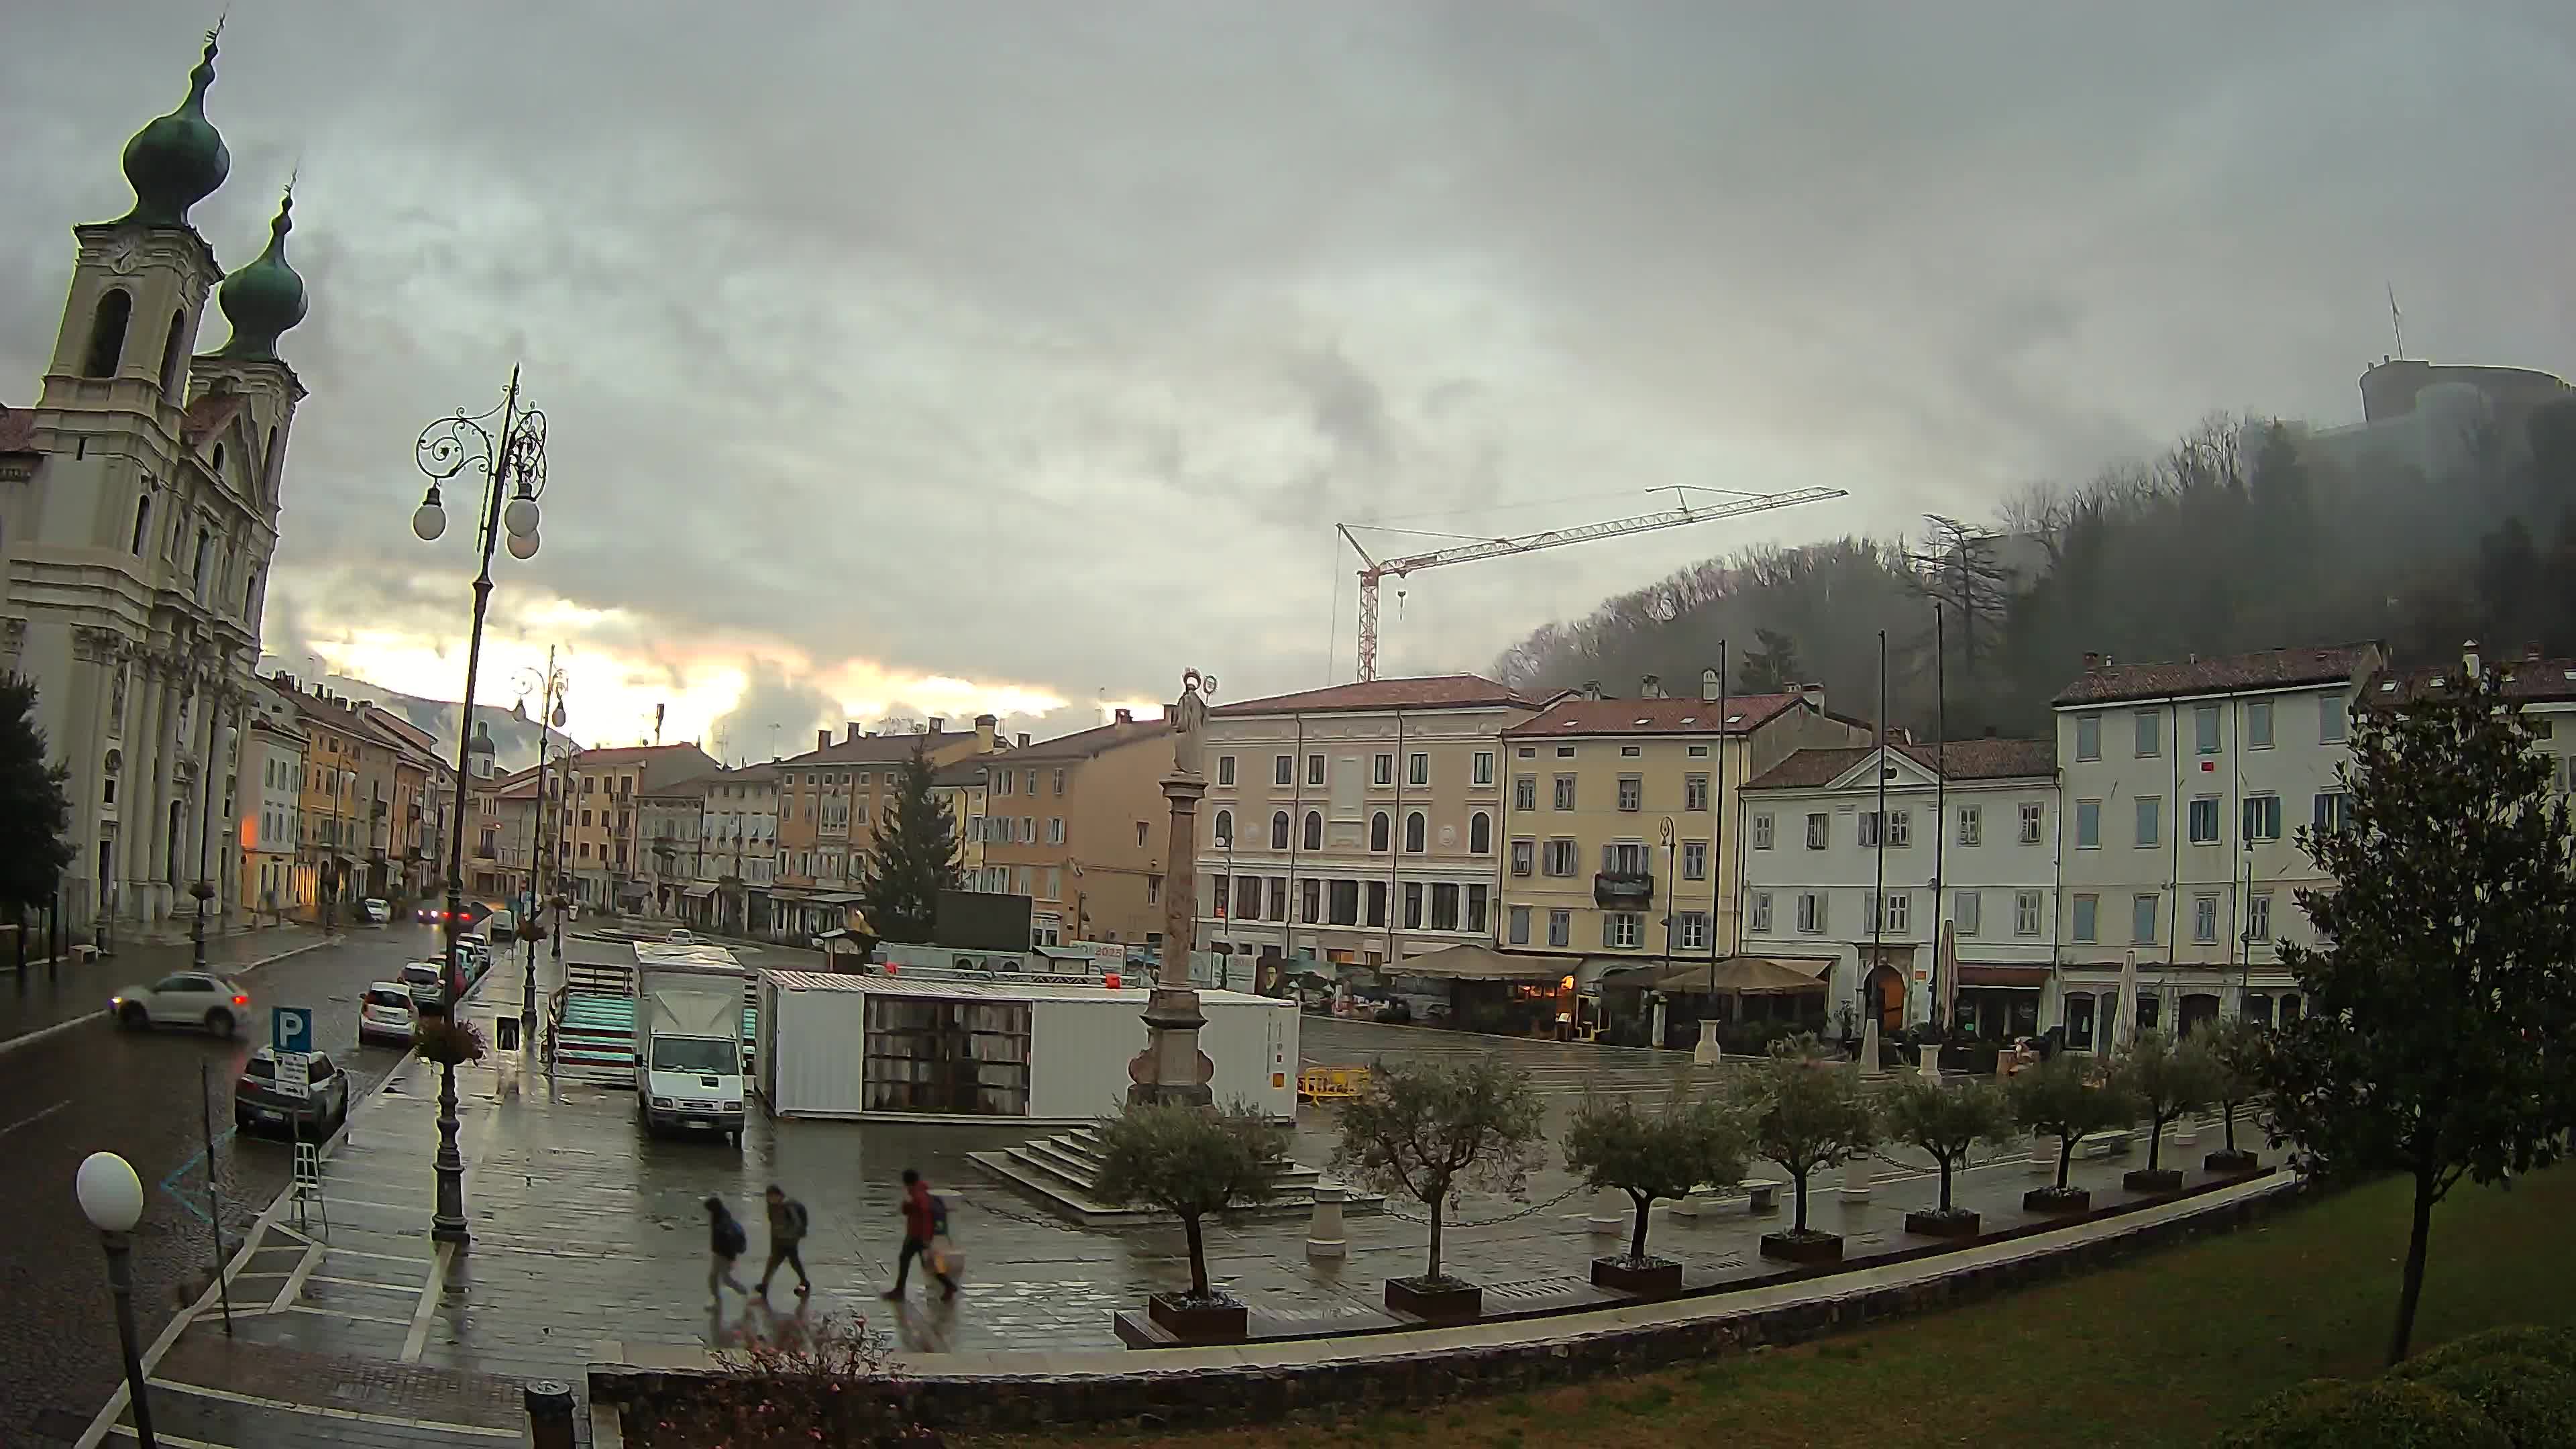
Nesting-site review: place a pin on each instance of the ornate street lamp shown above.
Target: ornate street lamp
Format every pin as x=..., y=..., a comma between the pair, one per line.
x=512, y=461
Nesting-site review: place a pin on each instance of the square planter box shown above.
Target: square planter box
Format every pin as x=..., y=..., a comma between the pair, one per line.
x=1651, y=1278
x=2051, y=1200
x=1959, y=1223
x=2153, y=1179
x=1444, y=1301
x=1813, y=1248
x=1197, y=1321
x=2224, y=1161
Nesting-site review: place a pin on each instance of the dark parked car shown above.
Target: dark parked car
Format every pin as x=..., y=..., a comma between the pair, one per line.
x=259, y=1102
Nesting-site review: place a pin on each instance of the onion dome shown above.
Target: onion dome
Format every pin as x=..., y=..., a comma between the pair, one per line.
x=179, y=159
x=264, y=299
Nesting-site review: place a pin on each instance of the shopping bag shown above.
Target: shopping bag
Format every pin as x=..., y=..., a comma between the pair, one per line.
x=945, y=1260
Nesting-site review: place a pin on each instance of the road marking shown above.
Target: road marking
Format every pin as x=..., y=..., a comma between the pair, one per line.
x=162, y=1438
x=324, y=1411
x=344, y=1313
x=418, y=1338
x=294, y=1285
x=39, y=1117
x=381, y=1257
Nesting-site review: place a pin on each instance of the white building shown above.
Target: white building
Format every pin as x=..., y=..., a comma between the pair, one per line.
x=138, y=512
x=2184, y=785
x=1356, y=824
x=1969, y=843
x=738, y=858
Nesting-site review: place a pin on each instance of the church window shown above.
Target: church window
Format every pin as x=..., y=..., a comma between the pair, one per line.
x=142, y=522
x=107, y=333
x=173, y=353
x=205, y=549
x=218, y=468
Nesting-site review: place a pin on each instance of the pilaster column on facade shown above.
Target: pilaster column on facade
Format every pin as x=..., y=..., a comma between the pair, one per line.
x=159, y=747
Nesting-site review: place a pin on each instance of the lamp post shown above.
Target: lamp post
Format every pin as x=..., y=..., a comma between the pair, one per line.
x=513, y=465
x=111, y=1197
x=550, y=717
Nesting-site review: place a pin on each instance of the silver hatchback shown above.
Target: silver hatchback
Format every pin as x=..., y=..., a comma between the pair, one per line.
x=189, y=998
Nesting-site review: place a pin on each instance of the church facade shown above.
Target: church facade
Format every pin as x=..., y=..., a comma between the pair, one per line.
x=138, y=516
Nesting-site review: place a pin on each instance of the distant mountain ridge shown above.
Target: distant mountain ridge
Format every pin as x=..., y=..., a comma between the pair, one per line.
x=515, y=735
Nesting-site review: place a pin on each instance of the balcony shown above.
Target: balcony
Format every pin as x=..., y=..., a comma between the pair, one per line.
x=1623, y=890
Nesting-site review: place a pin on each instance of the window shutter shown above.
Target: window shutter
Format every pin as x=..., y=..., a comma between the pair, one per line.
x=1605, y=928
x=1609, y=859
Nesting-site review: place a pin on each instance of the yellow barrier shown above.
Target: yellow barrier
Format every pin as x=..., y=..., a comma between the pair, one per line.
x=1331, y=1084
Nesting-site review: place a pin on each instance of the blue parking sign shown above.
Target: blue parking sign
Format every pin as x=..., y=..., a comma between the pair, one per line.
x=290, y=1029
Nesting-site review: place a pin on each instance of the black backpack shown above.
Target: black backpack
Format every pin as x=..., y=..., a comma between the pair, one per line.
x=938, y=1215
x=729, y=1238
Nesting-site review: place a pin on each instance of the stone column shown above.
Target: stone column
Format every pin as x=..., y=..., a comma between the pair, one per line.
x=1171, y=1068
x=152, y=891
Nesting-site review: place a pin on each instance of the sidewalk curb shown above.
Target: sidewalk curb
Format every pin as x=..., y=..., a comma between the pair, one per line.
x=243, y=969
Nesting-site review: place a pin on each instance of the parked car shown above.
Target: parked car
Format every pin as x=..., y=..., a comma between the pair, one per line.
x=681, y=937
x=478, y=956
x=258, y=1100
x=502, y=925
x=387, y=1014
x=375, y=911
x=190, y=998
x=423, y=979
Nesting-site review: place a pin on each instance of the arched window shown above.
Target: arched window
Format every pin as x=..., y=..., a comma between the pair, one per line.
x=1414, y=827
x=1378, y=831
x=217, y=467
x=250, y=597
x=1279, y=831
x=173, y=353
x=268, y=463
x=1480, y=834
x=1225, y=827
x=107, y=333
x=205, y=550
x=142, y=522
x=1314, y=830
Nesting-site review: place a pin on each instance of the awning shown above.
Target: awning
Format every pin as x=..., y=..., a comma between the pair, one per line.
x=2030, y=978
x=1481, y=963
x=1745, y=976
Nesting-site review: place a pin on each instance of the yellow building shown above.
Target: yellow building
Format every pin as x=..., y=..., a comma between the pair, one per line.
x=1078, y=825
x=962, y=789
x=832, y=798
x=1620, y=820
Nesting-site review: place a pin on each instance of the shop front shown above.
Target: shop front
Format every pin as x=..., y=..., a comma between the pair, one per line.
x=1999, y=1003
x=1503, y=993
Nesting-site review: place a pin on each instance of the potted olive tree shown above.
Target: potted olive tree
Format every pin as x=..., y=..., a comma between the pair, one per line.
x=1808, y=1115
x=1190, y=1163
x=1426, y=1128
x=1666, y=1152
x=2168, y=1080
x=2062, y=1098
x=1945, y=1123
x=2237, y=1047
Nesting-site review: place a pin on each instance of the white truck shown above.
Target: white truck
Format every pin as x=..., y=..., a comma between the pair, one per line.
x=688, y=1040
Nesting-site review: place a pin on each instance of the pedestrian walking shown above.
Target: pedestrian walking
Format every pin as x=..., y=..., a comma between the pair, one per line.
x=725, y=1243
x=787, y=1224
x=925, y=1221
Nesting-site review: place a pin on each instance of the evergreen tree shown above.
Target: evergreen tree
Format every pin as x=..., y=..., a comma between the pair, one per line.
x=1769, y=668
x=2441, y=1004
x=35, y=814
x=916, y=857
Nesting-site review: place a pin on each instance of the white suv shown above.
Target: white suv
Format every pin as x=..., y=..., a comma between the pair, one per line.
x=190, y=998
x=387, y=1013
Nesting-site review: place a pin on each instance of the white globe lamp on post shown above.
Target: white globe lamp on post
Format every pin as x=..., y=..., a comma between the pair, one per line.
x=111, y=1197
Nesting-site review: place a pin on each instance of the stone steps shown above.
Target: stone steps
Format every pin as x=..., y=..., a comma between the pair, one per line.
x=1063, y=1173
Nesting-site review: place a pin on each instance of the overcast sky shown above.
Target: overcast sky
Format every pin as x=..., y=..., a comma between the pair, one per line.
x=936, y=358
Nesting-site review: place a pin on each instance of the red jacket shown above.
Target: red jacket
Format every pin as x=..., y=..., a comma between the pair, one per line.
x=916, y=1212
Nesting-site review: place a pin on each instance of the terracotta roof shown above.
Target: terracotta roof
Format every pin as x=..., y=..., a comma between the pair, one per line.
x=632, y=754
x=2526, y=680
x=2270, y=669
x=1654, y=716
x=1083, y=744
x=17, y=430
x=207, y=415
x=1957, y=760
x=1435, y=691
x=875, y=749
x=321, y=711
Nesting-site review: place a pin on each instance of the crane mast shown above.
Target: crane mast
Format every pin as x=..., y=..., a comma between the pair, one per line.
x=1378, y=570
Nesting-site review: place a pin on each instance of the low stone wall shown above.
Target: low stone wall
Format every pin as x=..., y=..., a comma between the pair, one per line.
x=1180, y=1388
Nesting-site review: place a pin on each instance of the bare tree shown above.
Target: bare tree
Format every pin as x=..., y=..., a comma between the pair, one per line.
x=1957, y=568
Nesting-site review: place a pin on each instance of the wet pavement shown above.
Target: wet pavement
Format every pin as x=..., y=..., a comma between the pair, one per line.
x=89, y=1086
x=586, y=1232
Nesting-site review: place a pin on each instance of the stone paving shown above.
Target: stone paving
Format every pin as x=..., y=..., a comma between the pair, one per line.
x=586, y=1232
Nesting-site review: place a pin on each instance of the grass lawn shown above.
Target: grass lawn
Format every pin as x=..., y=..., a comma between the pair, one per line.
x=2166, y=1350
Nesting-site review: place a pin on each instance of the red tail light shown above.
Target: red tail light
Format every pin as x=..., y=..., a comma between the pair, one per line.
x=241, y=1001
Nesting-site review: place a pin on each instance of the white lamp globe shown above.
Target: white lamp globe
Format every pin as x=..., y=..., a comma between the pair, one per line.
x=520, y=516
x=428, y=521
x=523, y=545
x=111, y=1196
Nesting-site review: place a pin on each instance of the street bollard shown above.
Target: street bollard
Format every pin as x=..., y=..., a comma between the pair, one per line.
x=550, y=1406
x=1856, y=1176
x=1707, y=1053
x=2187, y=1132
x=2043, y=1155
x=1324, y=1231
x=1609, y=1212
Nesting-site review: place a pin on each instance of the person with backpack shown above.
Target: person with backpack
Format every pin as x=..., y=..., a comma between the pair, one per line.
x=925, y=1218
x=725, y=1243
x=787, y=1224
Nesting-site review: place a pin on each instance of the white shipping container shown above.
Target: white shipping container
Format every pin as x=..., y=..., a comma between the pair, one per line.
x=885, y=1046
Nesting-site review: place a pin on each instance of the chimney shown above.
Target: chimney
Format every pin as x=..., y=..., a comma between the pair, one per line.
x=1651, y=687
x=1708, y=685
x=850, y=728
x=1126, y=716
x=1024, y=739
x=984, y=725
x=2469, y=658
x=938, y=722
x=1592, y=689
x=2092, y=662
x=823, y=739
x=1813, y=692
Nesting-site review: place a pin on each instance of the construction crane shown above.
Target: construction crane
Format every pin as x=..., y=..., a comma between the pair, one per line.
x=1682, y=513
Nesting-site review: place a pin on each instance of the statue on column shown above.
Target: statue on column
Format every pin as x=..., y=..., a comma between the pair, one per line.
x=1189, y=722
